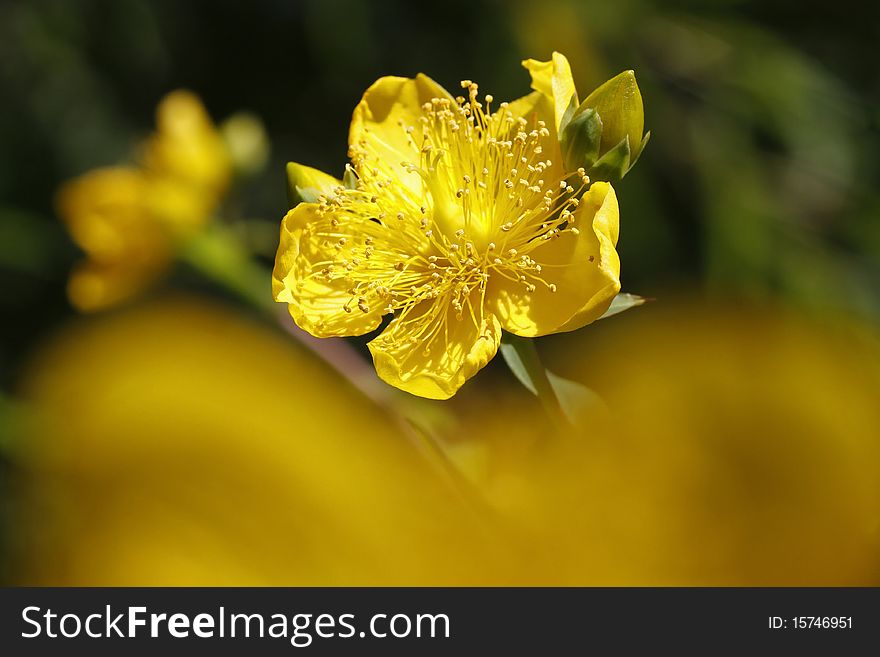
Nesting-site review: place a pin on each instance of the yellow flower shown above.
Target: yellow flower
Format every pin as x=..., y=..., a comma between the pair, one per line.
x=129, y=219
x=462, y=222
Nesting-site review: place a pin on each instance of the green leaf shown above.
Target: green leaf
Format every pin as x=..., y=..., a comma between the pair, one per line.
x=523, y=360
x=565, y=401
x=580, y=140
x=306, y=185
x=578, y=402
x=623, y=301
x=515, y=361
x=613, y=165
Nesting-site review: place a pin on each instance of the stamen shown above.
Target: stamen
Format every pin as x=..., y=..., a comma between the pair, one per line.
x=483, y=175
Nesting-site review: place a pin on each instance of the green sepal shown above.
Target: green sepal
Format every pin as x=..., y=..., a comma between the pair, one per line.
x=579, y=403
x=525, y=366
x=307, y=185
x=569, y=114
x=635, y=157
x=619, y=102
x=623, y=301
x=569, y=402
x=580, y=140
x=613, y=165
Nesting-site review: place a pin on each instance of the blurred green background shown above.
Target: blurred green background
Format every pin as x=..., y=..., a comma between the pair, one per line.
x=761, y=177
x=759, y=183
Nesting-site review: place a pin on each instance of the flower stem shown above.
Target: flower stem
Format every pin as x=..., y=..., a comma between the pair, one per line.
x=524, y=362
x=217, y=254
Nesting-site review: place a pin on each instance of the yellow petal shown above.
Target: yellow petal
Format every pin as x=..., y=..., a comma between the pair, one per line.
x=378, y=125
x=528, y=105
x=554, y=80
x=107, y=213
x=318, y=305
x=583, y=267
x=536, y=107
x=433, y=350
x=103, y=210
x=178, y=206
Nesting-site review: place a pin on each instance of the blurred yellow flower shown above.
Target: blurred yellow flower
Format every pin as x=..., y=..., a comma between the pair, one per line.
x=187, y=148
x=738, y=448
x=169, y=465
x=129, y=219
x=107, y=214
x=458, y=221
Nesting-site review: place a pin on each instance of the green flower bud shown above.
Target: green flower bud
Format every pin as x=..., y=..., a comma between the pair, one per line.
x=614, y=164
x=619, y=103
x=615, y=111
x=580, y=140
x=305, y=184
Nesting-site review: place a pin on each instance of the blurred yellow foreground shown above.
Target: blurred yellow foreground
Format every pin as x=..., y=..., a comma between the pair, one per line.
x=180, y=444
